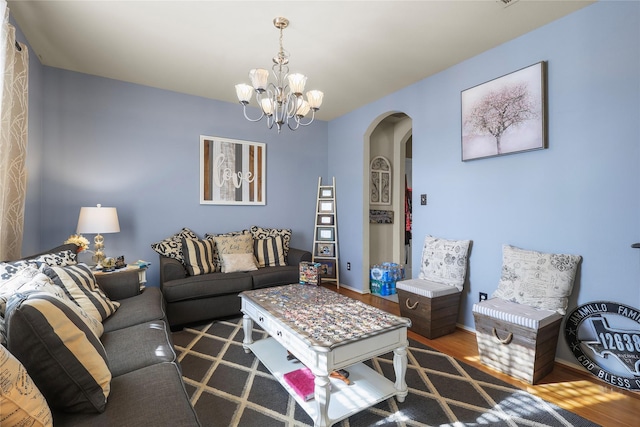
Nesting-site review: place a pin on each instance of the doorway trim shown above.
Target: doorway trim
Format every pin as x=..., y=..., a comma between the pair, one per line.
x=401, y=134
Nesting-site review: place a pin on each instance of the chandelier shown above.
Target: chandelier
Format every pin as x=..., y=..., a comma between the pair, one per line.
x=283, y=101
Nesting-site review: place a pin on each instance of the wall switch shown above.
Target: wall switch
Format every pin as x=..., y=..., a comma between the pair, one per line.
x=348, y=266
x=483, y=296
x=423, y=199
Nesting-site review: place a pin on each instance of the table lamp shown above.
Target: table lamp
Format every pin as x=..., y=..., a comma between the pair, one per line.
x=98, y=220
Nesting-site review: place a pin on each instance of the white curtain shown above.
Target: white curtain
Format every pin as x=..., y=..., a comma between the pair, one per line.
x=14, y=63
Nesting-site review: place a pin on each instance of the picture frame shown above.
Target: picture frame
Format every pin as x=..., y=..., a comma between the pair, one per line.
x=523, y=94
x=232, y=172
x=325, y=233
x=325, y=249
x=327, y=268
x=326, y=193
x=325, y=206
x=325, y=220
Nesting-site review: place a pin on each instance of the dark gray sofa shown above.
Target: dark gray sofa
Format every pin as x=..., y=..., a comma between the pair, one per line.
x=197, y=298
x=146, y=385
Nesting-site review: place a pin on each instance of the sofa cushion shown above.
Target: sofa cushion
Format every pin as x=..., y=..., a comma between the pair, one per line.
x=237, y=244
x=150, y=396
x=541, y=280
x=232, y=263
x=152, y=345
x=207, y=285
x=81, y=287
x=274, y=276
x=172, y=246
x=444, y=261
x=269, y=252
x=142, y=308
x=21, y=403
x=265, y=233
x=60, y=351
x=198, y=256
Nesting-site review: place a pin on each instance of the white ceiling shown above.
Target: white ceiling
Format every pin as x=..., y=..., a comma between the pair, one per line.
x=354, y=51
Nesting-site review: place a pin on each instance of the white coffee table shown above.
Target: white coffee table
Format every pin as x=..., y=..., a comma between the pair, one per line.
x=327, y=331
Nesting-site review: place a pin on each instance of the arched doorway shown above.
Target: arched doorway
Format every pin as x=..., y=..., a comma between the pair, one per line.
x=384, y=218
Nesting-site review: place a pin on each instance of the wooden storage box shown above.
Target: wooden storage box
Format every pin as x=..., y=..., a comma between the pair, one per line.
x=431, y=316
x=524, y=351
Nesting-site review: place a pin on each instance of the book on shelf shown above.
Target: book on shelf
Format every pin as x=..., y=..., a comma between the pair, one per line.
x=302, y=382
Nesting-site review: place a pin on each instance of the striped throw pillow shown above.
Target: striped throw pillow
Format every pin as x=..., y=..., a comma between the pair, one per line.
x=81, y=287
x=198, y=256
x=60, y=351
x=269, y=252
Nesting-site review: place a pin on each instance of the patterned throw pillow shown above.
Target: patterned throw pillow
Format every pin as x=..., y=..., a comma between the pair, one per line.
x=216, y=255
x=60, y=259
x=25, y=279
x=171, y=247
x=21, y=402
x=265, y=233
x=60, y=351
x=238, y=262
x=238, y=244
x=198, y=256
x=269, y=252
x=80, y=286
x=538, y=279
x=444, y=261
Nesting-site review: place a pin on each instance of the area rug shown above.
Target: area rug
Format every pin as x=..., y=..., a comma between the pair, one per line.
x=229, y=387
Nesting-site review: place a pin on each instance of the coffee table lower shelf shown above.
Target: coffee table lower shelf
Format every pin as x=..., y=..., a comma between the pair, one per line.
x=368, y=388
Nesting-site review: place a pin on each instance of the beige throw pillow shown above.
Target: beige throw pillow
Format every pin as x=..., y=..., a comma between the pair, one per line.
x=238, y=262
x=538, y=279
x=21, y=403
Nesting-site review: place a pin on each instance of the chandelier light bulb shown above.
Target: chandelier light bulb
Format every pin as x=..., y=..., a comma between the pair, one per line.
x=281, y=102
x=297, y=82
x=244, y=92
x=259, y=78
x=314, y=98
x=267, y=106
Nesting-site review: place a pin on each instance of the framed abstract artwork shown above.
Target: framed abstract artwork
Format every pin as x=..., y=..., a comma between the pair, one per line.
x=505, y=115
x=232, y=172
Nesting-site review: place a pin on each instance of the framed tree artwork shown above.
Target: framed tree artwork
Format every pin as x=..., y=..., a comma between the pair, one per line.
x=505, y=115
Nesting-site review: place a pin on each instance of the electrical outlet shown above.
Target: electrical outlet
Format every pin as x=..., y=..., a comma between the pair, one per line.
x=423, y=199
x=348, y=266
x=483, y=296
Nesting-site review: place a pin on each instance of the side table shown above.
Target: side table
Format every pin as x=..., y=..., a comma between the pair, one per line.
x=141, y=270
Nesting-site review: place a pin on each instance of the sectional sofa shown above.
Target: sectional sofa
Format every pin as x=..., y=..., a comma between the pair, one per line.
x=61, y=366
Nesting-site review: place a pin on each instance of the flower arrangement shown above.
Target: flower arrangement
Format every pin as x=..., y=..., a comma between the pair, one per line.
x=78, y=240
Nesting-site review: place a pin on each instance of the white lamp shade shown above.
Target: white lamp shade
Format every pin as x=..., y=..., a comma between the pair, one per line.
x=267, y=106
x=303, y=108
x=244, y=92
x=259, y=77
x=314, y=97
x=98, y=220
x=297, y=82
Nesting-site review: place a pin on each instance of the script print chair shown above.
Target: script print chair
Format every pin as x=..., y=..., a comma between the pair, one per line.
x=517, y=329
x=432, y=301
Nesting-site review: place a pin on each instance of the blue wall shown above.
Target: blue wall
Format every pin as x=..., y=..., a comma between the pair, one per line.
x=137, y=148
x=94, y=140
x=579, y=196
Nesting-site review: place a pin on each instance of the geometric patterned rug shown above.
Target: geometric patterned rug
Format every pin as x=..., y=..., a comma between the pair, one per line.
x=229, y=387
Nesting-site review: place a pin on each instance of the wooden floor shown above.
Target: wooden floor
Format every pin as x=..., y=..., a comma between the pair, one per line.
x=570, y=388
